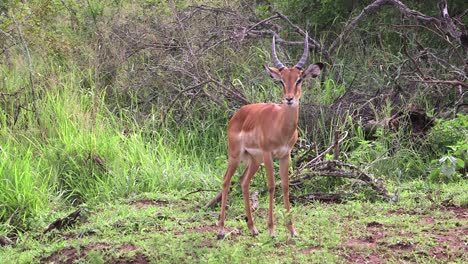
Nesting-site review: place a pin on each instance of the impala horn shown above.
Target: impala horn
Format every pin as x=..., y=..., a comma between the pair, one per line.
x=303, y=60
x=276, y=61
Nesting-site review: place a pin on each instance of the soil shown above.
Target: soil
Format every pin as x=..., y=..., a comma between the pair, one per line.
x=71, y=254
x=146, y=203
x=373, y=247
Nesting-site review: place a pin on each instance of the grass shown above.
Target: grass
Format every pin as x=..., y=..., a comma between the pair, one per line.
x=173, y=227
x=78, y=156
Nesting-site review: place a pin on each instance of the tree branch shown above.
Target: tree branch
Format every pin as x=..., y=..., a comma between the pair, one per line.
x=446, y=24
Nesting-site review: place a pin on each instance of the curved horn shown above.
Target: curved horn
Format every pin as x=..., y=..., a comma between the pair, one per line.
x=303, y=60
x=276, y=61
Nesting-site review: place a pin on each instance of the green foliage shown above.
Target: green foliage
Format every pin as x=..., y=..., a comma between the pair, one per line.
x=446, y=169
x=447, y=133
x=449, y=142
x=327, y=92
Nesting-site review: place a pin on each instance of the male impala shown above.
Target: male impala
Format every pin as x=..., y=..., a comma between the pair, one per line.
x=257, y=133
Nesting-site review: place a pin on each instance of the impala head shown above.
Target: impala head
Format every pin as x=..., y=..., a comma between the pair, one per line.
x=292, y=77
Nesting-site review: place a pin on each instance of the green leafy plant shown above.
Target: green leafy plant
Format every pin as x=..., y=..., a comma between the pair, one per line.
x=451, y=166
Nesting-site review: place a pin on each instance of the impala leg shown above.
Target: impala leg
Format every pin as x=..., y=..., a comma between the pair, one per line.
x=245, y=185
x=284, y=170
x=268, y=160
x=231, y=169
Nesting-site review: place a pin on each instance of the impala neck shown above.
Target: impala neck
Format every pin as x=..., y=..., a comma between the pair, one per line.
x=290, y=118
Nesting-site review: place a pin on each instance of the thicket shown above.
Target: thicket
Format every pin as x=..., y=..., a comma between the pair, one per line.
x=106, y=99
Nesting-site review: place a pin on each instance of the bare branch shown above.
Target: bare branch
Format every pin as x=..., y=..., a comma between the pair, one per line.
x=449, y=82
x=446, y=25
x=316, y=44
x=30, y=69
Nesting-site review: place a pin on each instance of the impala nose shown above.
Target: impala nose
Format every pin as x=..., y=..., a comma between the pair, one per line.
x=289, y=100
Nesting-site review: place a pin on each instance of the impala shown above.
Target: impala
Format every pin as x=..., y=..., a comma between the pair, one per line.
x=257, y=133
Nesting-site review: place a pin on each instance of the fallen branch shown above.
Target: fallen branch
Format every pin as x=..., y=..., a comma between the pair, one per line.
x=322, y=197
x=318, y=157
x=335, y=168
x=65, y=222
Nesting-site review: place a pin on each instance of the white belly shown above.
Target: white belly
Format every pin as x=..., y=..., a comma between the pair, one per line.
x=257, y=153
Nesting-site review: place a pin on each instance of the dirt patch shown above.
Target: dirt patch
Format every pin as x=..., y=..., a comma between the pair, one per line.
x=71, y=254
x=64, y=255
x=450, y=244
x=368, y=248
x=147, y=203
x=233, y=232
x=357, y=242
x=446, y=245
x=310, y=249
x=139, y=258
x=356, y=257
x=402, y=211
x=402, y=246
x=374, y=225
x=127, y=247
x=375, y=232
x=461, y=213
x=203, y=229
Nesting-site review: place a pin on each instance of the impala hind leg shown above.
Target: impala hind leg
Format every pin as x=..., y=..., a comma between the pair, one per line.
x=245, y=185
x=231, y=169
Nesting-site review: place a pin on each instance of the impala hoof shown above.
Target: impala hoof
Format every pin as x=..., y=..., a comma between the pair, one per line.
x=271, y=233
x=254, y=232
x=221, y=235
x=294, y=234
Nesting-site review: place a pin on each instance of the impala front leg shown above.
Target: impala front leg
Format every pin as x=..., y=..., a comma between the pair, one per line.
x=284, y=171
x=268, y=160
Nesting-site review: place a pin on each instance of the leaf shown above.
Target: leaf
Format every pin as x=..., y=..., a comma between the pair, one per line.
x=460, y=163
x=447, y=170
x=443, y=159
x=453, y=160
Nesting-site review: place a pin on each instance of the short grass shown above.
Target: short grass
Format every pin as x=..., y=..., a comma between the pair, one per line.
x=427, y=225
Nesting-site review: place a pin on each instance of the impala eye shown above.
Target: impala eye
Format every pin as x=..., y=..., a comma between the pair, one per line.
x=299, y=80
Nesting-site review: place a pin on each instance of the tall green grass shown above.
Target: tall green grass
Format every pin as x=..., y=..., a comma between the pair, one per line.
x=84, y=158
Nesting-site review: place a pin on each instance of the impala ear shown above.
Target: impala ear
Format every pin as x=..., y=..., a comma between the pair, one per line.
x=274, y=73
x=313, y=70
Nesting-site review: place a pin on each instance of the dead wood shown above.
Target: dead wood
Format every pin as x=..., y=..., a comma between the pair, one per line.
x=65, y=222
x=335, y=168
x=5, y=241
x=321, y=196
x=215, y=200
